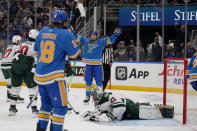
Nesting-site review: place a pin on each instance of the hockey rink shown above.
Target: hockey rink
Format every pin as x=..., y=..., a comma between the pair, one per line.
x=24, y=120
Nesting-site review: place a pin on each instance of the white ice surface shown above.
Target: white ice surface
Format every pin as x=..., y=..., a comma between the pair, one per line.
x=24, y=121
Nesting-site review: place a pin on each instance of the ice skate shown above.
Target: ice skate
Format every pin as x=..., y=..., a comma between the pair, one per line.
x=34, y=111
x=69, y=110
x=12, y=110
x=86, y=100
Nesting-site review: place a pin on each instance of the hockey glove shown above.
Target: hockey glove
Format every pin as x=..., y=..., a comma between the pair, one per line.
x=118, y=31
x=187, y=76
x=68, y=69
x=88, y=116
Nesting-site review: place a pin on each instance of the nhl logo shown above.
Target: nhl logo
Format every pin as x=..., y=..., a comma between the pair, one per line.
x=121, y=73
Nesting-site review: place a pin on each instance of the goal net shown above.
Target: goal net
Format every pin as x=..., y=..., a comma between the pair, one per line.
x=177, y=91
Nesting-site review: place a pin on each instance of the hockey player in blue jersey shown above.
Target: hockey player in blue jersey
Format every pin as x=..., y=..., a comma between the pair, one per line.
x=52, y=45
x=191, y=72
x=92, y=56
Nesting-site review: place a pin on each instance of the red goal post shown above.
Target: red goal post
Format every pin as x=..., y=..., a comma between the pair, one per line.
x=184, y=88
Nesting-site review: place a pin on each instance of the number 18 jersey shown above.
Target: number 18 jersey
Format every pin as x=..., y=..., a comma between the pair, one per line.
x=51, y=47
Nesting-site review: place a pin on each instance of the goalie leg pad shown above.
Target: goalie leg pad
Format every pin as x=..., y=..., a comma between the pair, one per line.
x=149, y=112
x=166, y=110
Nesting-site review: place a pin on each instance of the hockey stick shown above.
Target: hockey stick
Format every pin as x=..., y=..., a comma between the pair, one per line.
x=32, y=100
x=76, y=112
x=69, y=85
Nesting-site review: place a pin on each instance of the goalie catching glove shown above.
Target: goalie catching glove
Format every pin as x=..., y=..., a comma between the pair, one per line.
x=98, y=116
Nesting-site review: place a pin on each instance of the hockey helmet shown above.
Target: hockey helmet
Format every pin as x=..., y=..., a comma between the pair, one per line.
x=33, y=33
x=59, y=16
x=93, y=33
x=96, y=95
x=17, y=39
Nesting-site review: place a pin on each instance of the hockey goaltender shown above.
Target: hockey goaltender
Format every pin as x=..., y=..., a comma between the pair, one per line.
x=112, y=108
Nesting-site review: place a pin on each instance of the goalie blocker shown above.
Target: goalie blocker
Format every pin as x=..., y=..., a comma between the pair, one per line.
x=112, y=108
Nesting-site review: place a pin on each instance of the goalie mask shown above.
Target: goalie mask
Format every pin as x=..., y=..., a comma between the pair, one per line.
x=96, y=95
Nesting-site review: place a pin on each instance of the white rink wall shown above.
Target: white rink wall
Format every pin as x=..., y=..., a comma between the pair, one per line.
x=139, y=76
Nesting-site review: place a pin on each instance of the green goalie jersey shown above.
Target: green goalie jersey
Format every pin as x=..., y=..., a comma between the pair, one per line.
x=118, y=108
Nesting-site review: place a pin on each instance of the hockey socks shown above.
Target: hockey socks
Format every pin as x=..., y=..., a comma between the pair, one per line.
x=44, y=116
x=58, y=118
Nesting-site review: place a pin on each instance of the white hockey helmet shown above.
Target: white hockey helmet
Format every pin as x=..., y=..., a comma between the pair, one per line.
x=33, y=33
x=17, y=39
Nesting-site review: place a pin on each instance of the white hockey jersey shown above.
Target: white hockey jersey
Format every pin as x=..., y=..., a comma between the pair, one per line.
x=27, y=48
x=9, y=56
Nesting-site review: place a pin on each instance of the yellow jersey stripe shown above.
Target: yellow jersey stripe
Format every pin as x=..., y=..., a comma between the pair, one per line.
x=187, y=72
x=88, y=89
x=78, y=38
x=193, y=77
x=35, y=53
x=91, y=61
x=58, y=119
x=44, y=116
x=49, y=77
x=108, y=42
x=63, y=92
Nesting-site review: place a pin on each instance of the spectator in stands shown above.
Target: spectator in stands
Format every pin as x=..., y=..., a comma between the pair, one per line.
x=149, y=54
x=194, y=42
x=28, y=20
x=180, y=37
x=131, y=52
x=21, y=14
x=39, y=26
x=160, y=38
x=181, y=54
x=156, y=50
x=169, y=53
x=190, y=50
x=14, y=28
x=132, y=2
x=120, y=54
x=142, y=53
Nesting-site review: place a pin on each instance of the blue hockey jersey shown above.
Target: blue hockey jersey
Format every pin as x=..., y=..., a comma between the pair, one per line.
x=51, y=47
x=191, y=71
x=92, y=52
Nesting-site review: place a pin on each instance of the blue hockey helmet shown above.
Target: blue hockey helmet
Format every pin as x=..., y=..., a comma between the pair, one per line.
x=93, y=33
x=59, y=16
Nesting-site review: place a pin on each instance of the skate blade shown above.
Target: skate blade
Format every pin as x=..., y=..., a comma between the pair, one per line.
x=20, y=101
x=12, y=114
x=69, y=112
x=35, y=115
x=86, y=103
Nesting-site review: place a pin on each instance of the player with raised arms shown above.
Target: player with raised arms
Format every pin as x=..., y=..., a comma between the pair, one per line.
x=52, y=46
x=92, y=56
